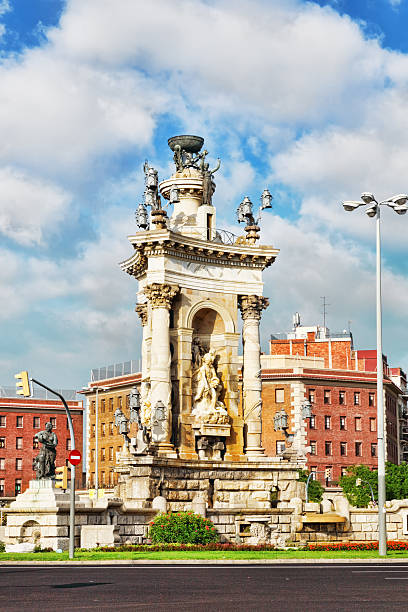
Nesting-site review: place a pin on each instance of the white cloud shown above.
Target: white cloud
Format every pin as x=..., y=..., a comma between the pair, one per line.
x=29, y=206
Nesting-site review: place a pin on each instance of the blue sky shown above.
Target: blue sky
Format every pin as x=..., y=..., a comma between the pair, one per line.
x=306, y=98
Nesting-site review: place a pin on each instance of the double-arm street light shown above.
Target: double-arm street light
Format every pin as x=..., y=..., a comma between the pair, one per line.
x=399, y=204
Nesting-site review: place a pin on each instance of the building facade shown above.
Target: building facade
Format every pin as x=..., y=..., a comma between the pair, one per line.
x=20, y=420
x=103, y=438
x=340, y=383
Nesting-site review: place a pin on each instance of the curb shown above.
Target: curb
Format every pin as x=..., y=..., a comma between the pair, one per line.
x=208, y=562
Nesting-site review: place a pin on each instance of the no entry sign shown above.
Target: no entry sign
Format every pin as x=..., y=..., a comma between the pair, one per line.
x=74, y=457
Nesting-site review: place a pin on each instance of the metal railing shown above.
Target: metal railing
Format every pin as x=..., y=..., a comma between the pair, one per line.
x=70, y=395
x=320, y=335
x=117, y=369
x=220, y=236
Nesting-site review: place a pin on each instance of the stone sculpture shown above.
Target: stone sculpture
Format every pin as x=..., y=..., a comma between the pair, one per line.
x=208, y=182
x=44, y=462
x=207, y=408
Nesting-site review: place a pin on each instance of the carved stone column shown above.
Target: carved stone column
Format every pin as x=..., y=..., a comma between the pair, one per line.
x=251, y=307
x=160, y=297
x=142, y=311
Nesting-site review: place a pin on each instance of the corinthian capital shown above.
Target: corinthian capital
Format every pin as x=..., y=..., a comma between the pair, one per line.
x=141, y=310
x=251, y=306
x=160, y=295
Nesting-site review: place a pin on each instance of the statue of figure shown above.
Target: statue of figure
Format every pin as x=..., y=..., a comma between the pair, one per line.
x=207, y=408
x=197, y=351
x=44, y=462
x=207, y=182
x=178, y=158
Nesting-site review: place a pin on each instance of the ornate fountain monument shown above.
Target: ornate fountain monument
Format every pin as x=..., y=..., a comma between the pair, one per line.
x=202, y=440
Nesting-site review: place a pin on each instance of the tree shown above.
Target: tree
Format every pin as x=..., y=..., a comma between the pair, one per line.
x=315, y=490
x=396, y=483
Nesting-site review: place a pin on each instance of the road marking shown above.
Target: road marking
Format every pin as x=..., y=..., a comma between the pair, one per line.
x=380, y=572
x=396, y=578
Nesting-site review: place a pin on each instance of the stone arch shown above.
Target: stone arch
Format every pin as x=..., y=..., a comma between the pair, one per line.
x=30, y=532
x=208, y=305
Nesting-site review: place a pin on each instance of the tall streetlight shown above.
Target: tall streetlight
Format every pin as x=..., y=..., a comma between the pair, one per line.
x=399, y=204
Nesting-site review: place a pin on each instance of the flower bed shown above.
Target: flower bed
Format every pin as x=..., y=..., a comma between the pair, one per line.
x=391, y=545
x=184, y=547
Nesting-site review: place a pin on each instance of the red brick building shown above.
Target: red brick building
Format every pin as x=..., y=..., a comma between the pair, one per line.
x=311, y=363
x=20, y=420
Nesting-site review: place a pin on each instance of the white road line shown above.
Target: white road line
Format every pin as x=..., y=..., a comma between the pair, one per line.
x=401, y=578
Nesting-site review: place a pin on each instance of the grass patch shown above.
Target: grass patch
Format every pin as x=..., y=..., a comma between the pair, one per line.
x=204, y=555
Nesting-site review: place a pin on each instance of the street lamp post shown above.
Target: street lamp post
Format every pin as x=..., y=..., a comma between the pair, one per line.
x=399, y=204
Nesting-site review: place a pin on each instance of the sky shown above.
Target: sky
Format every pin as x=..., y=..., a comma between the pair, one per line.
x=308, y=99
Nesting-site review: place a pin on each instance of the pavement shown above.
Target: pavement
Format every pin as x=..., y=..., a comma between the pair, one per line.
x=174, y=586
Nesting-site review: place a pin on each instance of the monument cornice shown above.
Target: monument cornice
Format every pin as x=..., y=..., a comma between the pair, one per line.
x=157, y=243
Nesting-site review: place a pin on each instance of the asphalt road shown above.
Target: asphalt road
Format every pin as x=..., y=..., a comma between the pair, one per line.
x=183, y=588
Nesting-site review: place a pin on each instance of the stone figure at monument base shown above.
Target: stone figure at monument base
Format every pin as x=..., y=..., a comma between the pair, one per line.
x=44, y=462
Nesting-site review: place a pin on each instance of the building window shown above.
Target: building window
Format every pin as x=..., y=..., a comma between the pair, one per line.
x=373, y=449
x=93, y=455
x=344, y=471
x=313, y=447
x=280, y=447
x=103, y=405
x=328, y=473
x=111, y=428
x=93, y=430
x=93, y=407
x=342, y=397
x=327, y=397
x=2, y=421
x=2, y=442
x=103, y=429
x=356, y=398
x=279, y=396
x=120, y=402
x=373, y=424
x=327, y=422
x=68, y=444
x=111, y=404
x=19, y=443
x=312, y=396
x=53, y=421
x=371, y=399
x=103, y=478
x=343, y=423
x=17, y=486
x=36, y=423
x=19, y=464
x=111, y=453
x=103, y=454
x=1, y=486
x=343, y=449
x=2, y=463
x=19, y=421
x=312, y=422
x=357, y=423
x=358, y=449
x=327, y=448
x=36, y=443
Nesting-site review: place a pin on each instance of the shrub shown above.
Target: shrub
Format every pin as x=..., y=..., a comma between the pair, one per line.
x=182, y=527
x=2, y=547
x=315, y=489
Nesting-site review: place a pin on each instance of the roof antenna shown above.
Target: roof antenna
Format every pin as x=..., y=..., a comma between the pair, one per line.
x=324, y=305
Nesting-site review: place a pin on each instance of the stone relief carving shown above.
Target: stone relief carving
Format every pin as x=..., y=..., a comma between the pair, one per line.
x=251, y=306
x=161, y=295
x=141, y=310
x=206, y=390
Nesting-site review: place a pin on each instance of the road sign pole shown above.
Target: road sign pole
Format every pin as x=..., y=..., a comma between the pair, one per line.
x=72, y=498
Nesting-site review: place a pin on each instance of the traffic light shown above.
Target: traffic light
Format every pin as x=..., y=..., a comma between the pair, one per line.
x=61, y=477
x=23, y=387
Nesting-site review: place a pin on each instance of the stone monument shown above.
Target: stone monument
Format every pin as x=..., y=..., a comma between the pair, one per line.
x=200, y=412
